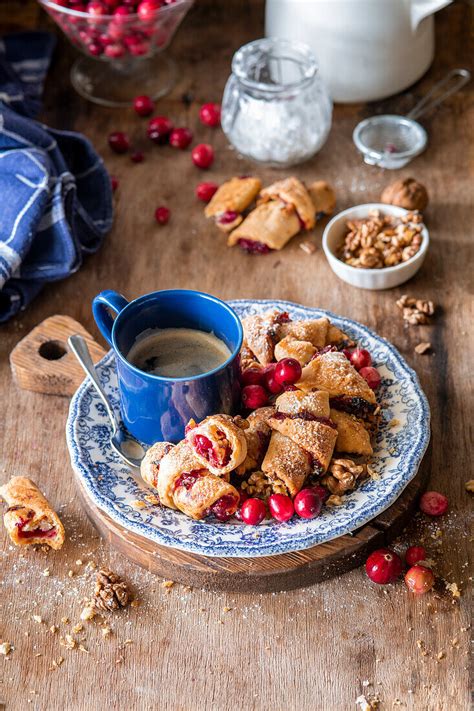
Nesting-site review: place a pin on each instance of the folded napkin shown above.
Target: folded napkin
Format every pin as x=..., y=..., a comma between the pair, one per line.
x=55, y=193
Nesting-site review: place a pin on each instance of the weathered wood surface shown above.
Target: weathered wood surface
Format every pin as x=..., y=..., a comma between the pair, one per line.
x=302, y=650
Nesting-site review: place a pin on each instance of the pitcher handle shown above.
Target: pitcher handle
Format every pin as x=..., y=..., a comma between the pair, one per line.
x=107, y=299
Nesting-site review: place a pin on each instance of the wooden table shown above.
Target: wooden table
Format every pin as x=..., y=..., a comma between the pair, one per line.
x=182, y=649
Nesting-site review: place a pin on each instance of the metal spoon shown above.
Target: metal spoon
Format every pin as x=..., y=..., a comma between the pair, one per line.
x=123, y=443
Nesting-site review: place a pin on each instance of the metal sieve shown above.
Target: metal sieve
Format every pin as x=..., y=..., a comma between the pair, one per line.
x=392, y=141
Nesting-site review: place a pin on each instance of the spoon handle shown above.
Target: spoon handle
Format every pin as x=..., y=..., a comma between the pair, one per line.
x=78, y=346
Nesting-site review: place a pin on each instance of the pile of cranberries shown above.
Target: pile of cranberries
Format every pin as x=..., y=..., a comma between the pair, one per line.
x=259, y=384
x=307, y=504
x=362, y=361
x=116, y=29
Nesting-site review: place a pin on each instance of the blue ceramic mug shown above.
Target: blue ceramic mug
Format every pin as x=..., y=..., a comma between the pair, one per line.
x=158, y=408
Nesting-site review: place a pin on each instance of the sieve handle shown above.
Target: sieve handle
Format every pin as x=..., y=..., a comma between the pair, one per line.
x=454, y=80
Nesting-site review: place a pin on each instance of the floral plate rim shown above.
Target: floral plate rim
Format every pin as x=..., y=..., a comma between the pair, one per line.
x=209, y=539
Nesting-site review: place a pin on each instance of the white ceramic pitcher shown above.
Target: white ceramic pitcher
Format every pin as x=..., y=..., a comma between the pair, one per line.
x=366, y=49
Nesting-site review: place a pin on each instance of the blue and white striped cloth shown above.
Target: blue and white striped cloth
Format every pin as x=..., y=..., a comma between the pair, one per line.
x=55, y=193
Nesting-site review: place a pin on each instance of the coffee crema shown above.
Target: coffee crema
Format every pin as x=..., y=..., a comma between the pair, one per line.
x=177, y=352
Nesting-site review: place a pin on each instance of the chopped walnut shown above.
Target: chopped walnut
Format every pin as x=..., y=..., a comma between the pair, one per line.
x=343, y=475
x=416, y=311
x=88, y=613
x=5, y=648
x=379, y=241
x=111, y=592
x=308, y=247
x=259, y=484
x=333, y=500
x=469, y=485
x=423, y=348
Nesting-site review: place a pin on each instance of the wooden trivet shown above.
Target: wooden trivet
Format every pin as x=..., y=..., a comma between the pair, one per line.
x=271, y=573
x=41, y=361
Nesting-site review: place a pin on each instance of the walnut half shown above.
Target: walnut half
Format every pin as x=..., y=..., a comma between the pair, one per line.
x=111, y=592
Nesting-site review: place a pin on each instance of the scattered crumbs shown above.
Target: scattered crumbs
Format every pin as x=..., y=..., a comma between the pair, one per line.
x=372, y=473
x=396, y=702
x=152, y=499
x=226, y=609
x=106, y=631
x=88, y=613
x=53, y=629
x=46, y=572
x=81, y=648
x=91, y=565
x=135, y=603
x=65, y=620
x=220, y=622
x=453, y=589
x=394, y=422
x=366, y=705
x=128, y=641
x=421, y=646
x=366, y=682
x=56, y=663
x=410, y=629
x=423, y=348
x=77, y=628
x=454, y=642
x=167, y=584
x=440, y=655
x=70, y=573
x=139, y=504
x=469, y=485
x=68, y=641
x=5, y=648
x=38, y=619
x=38, y=654
x=308, y=247
x=119, y=660
x=78, y=561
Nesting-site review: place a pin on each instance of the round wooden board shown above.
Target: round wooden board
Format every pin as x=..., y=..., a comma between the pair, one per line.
x=270, y=573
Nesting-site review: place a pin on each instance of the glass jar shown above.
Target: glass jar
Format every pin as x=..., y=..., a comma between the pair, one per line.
x=276, y=109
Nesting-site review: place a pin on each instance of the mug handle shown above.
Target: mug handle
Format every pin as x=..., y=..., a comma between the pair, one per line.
x=107, y=299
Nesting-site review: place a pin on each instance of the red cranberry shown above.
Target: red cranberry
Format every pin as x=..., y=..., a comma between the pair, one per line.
x=281, y=507
x=252, y=376
x=414, y=554
x=118, y=141
x=180, y=138
x=347, y=352
x=143, y=105
x=159, y=128
x=253, y=247
x=433, y=503
x=137, y=157
x=371, y=376
x=202, y=156
x=254, y=396
x=227, y=217
x=96, y=9
x=224, y=508
x=383, y=566
x=147, y=9
x=210, y=114
x=114, y=183
x=360, y=358
x=138, y=49
x=121, y=12
x=95, y=48
x=307, y=503
x=253, y=511
x=205, y=191
x=321, y=492
x=287, y=371
x=419, y=579
x=270, y=381
x=162, y=215
x=114, y=51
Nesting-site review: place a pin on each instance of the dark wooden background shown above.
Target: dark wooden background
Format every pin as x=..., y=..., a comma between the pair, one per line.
x=309, y=649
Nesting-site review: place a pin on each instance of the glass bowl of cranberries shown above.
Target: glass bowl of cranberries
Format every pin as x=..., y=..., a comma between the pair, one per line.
x=121, y=42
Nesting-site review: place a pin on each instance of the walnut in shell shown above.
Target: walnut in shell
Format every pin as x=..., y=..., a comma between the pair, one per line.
x=407, y=193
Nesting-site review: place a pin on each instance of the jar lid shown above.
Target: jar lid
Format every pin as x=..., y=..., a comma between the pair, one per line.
x=274, y=65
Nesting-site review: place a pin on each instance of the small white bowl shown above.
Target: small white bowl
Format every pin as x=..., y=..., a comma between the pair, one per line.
x=374, y=279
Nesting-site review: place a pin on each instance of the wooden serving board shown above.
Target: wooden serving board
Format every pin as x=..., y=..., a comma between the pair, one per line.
x=270, y=573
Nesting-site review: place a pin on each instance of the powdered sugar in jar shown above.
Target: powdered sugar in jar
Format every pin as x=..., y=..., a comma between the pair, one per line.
x=276, y=109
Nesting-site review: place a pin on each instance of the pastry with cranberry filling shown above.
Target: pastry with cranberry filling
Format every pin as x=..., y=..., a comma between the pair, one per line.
x=292, y=191
x=288, y=347
x=230, y=200
x=262, y=332
x=305, y=419
x=287, y=463
x=29, y=517
x=150, y=466
x=348, y=391
x=184, y=484
x=323, y=198
x=352, y=436
x=218, y=442
x=270, y=226
x=257, y=435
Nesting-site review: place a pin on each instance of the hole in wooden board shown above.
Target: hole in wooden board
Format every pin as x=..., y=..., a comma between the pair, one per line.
x=52, y=350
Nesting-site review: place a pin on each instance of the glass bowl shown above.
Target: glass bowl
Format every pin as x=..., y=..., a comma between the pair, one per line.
x=122, y=52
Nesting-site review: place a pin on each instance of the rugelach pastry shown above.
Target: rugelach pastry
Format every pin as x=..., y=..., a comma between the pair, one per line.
x=184, y=484
x=29, y=518
x=261, y=333
x=218, y=443
x=292, y=191
x=230, y=200
x=348, y=391
x=287, y=463
x=323, y=198
x=150, y=466
x=257, y=435
x=304, y=418
x=270, y=226
x=352, y=436
x=289, y=347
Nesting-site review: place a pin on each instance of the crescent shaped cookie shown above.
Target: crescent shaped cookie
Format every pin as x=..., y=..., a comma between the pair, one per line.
x=293, y=192
x=287, y=462
x=257, y=436
x=150, y=466
x=218, y=443
x=271, y=224
x=29, y=518
x=288, y=347
x=352, y=436
x=333, y=373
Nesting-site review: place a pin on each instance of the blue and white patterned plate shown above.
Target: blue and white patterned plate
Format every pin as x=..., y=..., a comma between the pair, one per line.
x=398, y=452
